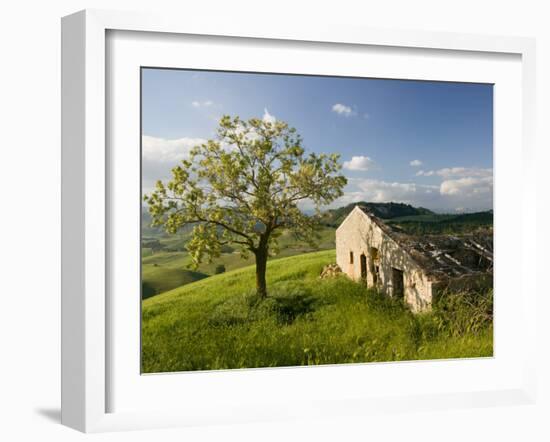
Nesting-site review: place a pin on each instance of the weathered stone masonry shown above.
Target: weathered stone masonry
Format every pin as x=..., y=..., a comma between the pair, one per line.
x=413, y=268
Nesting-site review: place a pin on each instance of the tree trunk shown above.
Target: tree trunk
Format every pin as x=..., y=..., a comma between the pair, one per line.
x=261, y=265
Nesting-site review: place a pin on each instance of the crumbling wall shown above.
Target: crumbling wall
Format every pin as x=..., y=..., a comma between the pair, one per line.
x=359, y=234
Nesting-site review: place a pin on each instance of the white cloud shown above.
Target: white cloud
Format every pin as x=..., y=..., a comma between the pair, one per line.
x=342, y=109
x=268, y=118
x=384, y=191
x=206, y=103
x=162, y=150
x=359, y=163
x=457, y=172
x=160, y=155
x=450, y=172
x=416, y=163
x=464, y=187
x=425, y=173
x=470, y=187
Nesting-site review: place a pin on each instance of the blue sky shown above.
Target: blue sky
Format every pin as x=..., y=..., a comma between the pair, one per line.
x=425, y=143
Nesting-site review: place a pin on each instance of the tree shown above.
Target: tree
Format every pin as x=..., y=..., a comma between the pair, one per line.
x=243, y=188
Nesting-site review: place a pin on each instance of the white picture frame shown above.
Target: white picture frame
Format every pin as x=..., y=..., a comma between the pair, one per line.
x=86, y=317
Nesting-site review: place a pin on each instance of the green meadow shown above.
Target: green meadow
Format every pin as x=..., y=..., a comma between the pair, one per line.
x=217, y=322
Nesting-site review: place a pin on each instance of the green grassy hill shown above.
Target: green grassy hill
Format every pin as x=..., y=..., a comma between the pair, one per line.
x=218, y=323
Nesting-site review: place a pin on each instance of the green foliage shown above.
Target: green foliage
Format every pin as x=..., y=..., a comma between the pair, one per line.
x=220, y=268
x=218, y=323
x=242, y=189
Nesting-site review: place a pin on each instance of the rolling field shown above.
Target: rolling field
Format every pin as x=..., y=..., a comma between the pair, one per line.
x=218, y=323
x=164, y=271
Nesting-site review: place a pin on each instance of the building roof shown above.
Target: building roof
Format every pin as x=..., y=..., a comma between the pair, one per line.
x=443, y=256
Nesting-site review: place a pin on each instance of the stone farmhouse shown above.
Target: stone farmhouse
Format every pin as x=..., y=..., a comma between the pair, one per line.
x=413, y=268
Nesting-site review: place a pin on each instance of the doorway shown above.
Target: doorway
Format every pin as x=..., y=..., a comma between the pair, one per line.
x=398, y=284
x=363, y=268
x=374, y=267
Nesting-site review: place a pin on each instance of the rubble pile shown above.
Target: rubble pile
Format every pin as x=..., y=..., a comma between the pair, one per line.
x=330, y=271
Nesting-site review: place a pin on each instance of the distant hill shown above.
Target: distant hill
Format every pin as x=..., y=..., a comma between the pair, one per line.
x=146, y=229
x=334, y=217
x=445, y=224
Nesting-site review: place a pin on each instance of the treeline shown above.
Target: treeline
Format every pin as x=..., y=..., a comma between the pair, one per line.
x=447, y=225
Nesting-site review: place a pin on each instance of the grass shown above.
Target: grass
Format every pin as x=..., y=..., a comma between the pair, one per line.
x=218, y=323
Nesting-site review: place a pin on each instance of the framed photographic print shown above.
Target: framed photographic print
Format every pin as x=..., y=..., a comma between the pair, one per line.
x=275, y=223
x=269, y=217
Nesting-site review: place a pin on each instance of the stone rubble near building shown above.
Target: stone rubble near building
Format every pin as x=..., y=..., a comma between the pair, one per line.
x=330, y=271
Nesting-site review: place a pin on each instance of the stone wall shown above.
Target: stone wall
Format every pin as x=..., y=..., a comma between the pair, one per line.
x=359, y=235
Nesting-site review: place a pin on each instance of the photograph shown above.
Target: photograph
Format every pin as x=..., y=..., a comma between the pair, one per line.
x=293, y=220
